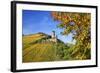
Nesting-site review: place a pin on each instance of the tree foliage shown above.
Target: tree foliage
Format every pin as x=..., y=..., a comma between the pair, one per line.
x=79, y=24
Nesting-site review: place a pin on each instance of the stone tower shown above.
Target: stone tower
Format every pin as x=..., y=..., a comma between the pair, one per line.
x=53, y=37
x=53, y=34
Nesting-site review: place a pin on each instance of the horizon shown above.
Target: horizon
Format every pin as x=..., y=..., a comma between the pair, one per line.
x=34, y=21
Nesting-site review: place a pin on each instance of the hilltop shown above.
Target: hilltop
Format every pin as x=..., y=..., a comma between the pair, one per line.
x=40, y=47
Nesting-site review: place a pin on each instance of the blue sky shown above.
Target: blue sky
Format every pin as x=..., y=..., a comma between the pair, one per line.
x=42, y=21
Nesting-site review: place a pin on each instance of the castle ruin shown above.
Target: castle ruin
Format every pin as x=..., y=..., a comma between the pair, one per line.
x=53, y=37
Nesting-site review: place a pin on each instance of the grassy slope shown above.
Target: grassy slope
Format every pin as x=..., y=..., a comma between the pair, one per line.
x=39, y=51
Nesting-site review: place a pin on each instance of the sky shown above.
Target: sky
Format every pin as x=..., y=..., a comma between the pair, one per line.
x=41, y=21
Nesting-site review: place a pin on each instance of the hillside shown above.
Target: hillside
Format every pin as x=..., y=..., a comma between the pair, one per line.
x=37, y=48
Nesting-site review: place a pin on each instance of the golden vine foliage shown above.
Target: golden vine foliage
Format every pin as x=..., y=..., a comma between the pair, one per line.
x=79, y=24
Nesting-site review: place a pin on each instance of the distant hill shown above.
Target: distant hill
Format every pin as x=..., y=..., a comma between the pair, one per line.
x=39, y=47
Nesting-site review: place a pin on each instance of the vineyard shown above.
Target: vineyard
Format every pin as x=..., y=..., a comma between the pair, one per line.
x=36, y=51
